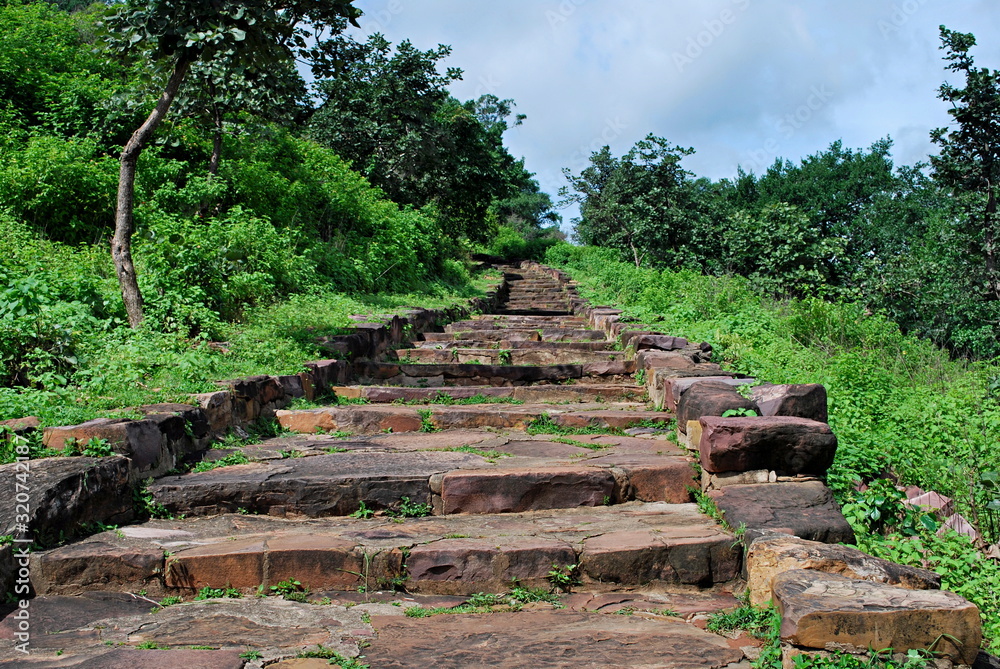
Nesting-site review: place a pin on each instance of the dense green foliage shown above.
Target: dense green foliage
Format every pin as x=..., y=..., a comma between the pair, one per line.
x=900, y=407
x=262, y=251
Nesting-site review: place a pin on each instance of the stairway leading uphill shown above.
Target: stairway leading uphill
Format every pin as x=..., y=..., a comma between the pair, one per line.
x=511, y=453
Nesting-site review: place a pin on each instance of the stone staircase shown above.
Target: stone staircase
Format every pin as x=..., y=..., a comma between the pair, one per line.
x=511, y=452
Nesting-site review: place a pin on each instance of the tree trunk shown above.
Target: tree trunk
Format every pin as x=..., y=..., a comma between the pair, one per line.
x=989, y=223
x=121, y=243
x=217, y=118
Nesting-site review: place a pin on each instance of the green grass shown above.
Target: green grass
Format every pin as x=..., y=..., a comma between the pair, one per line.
x=123, y=368
x=581, y=444
x=446, y=399
x=490, y=455
x=489, y=603
x=544, y=425
x=898, y=404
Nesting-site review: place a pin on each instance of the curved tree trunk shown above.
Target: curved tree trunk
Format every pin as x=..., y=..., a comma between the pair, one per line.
x=121, y=243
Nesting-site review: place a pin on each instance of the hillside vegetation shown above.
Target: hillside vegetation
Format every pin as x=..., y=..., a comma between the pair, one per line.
x=902, y=410
x=261, y=223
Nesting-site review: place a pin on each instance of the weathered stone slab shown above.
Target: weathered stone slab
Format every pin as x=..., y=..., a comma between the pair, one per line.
x=105, y=630
x=64, y=493
x=96, y=565
x=769, y=556
x=709, y=398
x=674, y=388
x=129, y=658
x=139, y=440
x=819, y=609
x=805, y=510
x=686, y=556
x=710, y=481
x=514, y=490
x=316, y=486
x=545, y=639
x=806, y=400
x=465, y=566
x=653, y=478
x=658, y=342
x=787, y=445
x=20, y=426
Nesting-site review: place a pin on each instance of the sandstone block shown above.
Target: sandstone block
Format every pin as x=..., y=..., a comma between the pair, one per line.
x=674, y=388
x=806, y=400
x=819, y=609
x=771, y=555
x=806, y=510
x=709, y=398
x=65, y=493
x=658, y=342
x=784, y=444
x=218, y=408
x=95, y=565
x=236, y=564
x=514, y=490
x=139, y=440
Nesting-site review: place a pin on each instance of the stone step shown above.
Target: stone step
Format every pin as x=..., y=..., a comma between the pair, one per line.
x=509, y=319
x=493, y=356
x=637, y=544
x=577, y=392
x=520, y=344
x=102, y=630
x=539, y=295
x=460, y=472
x=376, y=418
x=524, y=323
x=535, y=307
x=520, y=334
x=551, y=638
x=531, y=311
x=458, y=374
x=819, y=610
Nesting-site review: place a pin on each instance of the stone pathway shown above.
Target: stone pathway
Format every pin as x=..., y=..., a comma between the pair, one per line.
x=509, y=450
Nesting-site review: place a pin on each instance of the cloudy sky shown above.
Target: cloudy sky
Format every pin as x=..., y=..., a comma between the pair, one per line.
x=741, y=81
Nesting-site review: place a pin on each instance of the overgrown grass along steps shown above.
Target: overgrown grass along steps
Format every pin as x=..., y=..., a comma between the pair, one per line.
x=653, y=545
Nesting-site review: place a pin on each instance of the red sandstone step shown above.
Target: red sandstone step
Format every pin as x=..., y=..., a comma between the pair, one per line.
x=578, y=392
x=458, y=374
x=458, y=471
x=493, y=356
x=532, y=334
x=520, y=344
x=104, y=629
x=374, y=418
x=525, y=323
x=630, y=545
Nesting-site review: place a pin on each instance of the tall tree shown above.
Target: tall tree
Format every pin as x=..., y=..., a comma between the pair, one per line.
x=644, y=203
x=173, y=36
x=390, y=113
x=970, y=151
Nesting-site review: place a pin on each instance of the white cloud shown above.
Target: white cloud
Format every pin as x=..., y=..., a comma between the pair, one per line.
x=742, y=81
